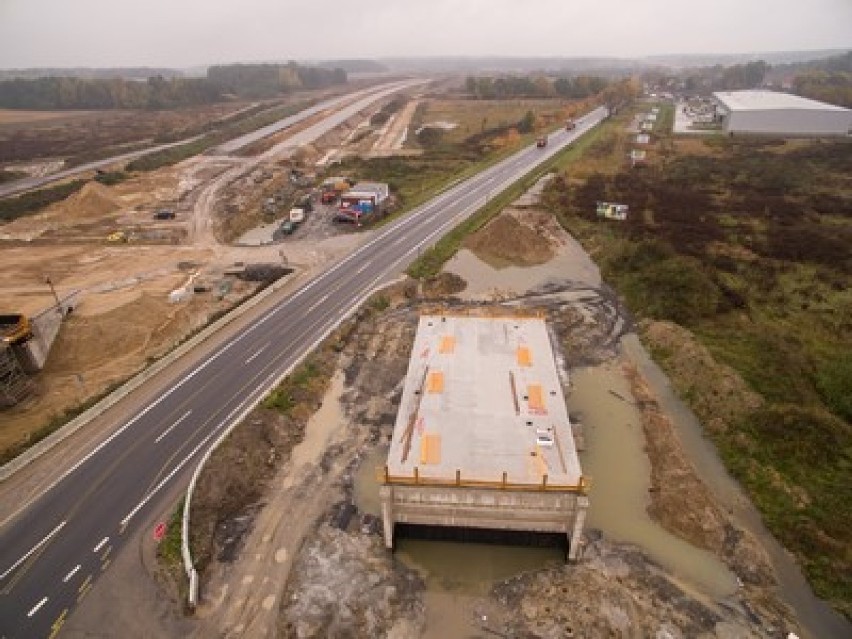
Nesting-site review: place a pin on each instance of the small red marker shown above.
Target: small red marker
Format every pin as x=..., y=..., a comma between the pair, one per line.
x=160, y=531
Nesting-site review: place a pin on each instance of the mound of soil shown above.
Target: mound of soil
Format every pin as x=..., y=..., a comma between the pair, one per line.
x=505, y=239
x=146, y=326
x=613, y=592
x=93, y=200
x=444, y=283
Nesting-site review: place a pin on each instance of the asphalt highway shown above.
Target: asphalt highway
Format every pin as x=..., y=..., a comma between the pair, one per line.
x=26, y=184
x=54, y=548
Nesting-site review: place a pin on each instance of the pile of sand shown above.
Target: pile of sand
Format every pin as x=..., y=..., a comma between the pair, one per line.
x=93, y=200
x=505, y=239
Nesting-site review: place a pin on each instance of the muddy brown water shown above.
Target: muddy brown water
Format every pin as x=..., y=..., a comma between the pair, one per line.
x=620, y=472
x=483, y=279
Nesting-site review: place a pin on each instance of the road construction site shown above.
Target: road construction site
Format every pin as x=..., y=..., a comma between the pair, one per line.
x=290, y=556
x=122, y=250
x=290, y=512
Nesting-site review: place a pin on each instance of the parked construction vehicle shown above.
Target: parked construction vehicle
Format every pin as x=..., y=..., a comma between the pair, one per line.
x=541, y=143
x=570, y=125
x=15, y=329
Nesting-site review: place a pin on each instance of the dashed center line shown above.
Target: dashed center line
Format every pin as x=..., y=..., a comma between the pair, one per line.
x=37, y=607
x=101, y=544
x=73, y=572
x=259, y=351
x=169, y=429
x=317, y=303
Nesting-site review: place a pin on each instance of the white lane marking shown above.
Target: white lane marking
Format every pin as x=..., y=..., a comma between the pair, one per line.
x=73, y=572
x=259, y=351
x=170, y=428
x=321, y=300
x=363, y=268
x=162, y=483
x=32, y=550
x=101, y=544
x=37, y=607
x=402, y=238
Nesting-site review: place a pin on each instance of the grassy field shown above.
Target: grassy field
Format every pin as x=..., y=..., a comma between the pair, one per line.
x=479, y=116
x=747, y=244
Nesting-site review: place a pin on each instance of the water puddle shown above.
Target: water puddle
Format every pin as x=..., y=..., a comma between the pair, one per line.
x=322, y=429
x=620, y=471
x=571, y=263
x=366, y=485
x=456, y=574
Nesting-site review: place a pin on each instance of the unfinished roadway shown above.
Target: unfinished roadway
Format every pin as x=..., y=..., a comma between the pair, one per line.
x=56, y=544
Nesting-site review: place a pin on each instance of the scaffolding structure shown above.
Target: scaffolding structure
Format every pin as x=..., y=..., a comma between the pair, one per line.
x=15, y=384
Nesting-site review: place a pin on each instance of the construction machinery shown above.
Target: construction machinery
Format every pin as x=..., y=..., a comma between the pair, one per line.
x=15, y=328
x=541, y=142
x=570, y=125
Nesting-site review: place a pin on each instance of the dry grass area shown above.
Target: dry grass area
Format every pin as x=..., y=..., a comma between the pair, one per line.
x=79, y=135
x=473, y=117
x=15, y=116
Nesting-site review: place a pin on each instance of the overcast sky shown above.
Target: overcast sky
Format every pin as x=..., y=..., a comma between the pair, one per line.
x=179, y=33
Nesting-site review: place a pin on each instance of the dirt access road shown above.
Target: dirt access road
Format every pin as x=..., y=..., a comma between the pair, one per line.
x=124, y=287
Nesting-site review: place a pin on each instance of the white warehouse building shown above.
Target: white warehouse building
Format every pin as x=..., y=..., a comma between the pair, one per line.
x=774, y=113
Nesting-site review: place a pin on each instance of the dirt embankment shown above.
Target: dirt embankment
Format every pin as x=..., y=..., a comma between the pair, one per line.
x=724, y=401
x=522, y=238
x=683, y=505
x=112, y=336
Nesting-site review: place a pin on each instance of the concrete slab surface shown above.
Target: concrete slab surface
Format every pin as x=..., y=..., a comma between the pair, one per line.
x=483, y=397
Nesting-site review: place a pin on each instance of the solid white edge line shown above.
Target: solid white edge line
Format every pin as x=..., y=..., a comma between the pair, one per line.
x=37, y=607
x=33, y=549
x=101, y=544
x=170, y=428
x=72, y=572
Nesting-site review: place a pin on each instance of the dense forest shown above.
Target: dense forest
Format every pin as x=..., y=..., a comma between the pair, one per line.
x=828, y=80
x=267, y=80
x=246, y=81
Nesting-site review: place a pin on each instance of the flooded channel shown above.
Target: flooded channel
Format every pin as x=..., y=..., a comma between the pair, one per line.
x=616, y=461
x=457, y=574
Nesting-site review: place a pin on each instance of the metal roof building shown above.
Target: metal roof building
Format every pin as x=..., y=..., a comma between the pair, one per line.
x=775, y=113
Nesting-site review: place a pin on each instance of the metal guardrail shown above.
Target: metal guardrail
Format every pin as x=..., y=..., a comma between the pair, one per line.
x=415, y=479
